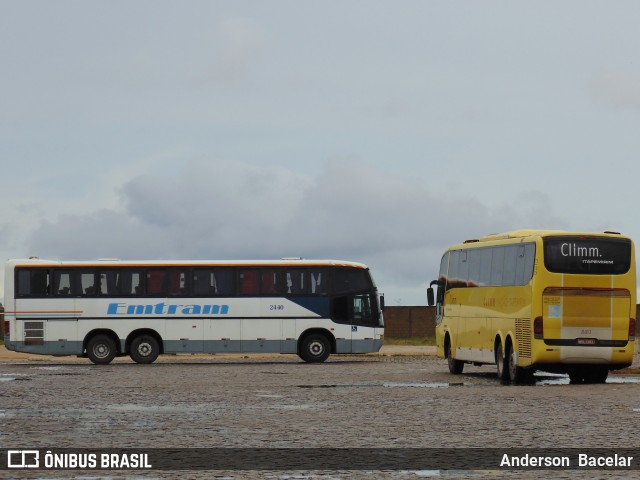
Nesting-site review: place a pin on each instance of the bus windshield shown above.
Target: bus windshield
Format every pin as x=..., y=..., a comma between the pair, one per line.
x=584, y=255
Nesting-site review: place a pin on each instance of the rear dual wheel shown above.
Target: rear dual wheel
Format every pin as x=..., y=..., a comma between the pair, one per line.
x=502, y=364
x=508, y=369
x=589, y=374
x=101, y=349
x=144, y=349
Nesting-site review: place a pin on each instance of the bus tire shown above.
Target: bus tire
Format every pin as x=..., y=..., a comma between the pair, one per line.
x=502, y=364
x=315, y=348
x=455, y=366
x=101, y=349
x=589, y=374
x=518, y=375
x=596, y=375
x=144, y=349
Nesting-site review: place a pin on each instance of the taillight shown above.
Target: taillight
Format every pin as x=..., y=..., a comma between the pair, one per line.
x=538, y=328
x=632, y=329
x=7, y=328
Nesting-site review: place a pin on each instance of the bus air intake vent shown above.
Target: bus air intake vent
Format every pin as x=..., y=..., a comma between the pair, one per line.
x=523, y=332
x=34, y=333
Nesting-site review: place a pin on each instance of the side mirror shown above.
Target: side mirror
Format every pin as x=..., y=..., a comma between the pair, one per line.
x=431, y=300
x=381, y=302
x=430, y=297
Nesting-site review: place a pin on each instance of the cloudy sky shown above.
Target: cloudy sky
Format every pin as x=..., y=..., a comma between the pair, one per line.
x=373, y=131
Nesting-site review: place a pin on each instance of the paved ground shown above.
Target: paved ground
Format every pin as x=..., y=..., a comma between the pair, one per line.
x=9, y=356
x=401, y=398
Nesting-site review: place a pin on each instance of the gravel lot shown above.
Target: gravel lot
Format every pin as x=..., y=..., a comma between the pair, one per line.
x=270, y=402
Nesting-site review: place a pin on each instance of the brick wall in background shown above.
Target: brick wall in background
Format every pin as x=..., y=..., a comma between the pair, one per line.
x=406, y=322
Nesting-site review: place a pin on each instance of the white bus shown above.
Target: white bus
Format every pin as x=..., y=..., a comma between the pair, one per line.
x=110, y=308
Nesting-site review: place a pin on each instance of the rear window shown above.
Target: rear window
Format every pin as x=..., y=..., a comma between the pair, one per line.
x=575, y=254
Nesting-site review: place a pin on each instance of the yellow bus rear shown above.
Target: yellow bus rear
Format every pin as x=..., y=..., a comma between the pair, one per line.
x=538, y=300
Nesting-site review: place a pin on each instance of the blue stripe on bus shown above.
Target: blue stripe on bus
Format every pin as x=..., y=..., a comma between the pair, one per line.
x=321, y=306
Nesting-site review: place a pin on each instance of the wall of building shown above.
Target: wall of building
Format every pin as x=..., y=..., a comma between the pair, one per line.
x=408, y=322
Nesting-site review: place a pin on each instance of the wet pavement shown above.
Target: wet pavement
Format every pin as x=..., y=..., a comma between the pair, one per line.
x=385, y=402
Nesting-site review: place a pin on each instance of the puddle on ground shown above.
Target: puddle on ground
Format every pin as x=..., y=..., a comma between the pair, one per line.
x=558, y=379
x=426, y=385
x=541, y=379
x=623, y=379
x=10, y=377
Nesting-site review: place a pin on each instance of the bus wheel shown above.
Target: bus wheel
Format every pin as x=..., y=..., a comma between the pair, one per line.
x=101, y=349
x=596, y=375
x=502, y=364
x=315, y=348
x=144, y=349
x=518, y=375
x=576, y=375
x=455, y=366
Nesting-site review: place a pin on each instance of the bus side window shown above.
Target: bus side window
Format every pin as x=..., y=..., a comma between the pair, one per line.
x=510, y=265
x=319, y=282
x=33, y=282
x=178, y=284
x=88, y=283
x=271, y=282
x=350, y=280
x=294, y=282
x=497, y=264
x=452, y=275
x=128, y=282
x=248, y=282
x=24, y=283
x=475, y=258
x=486, y=257
x=203, y=282
x=155, y=282
x=109, y=282
x=222, y=279
x=528, y=259
x=62, y=283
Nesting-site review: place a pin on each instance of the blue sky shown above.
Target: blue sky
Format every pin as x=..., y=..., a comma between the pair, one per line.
x=372, y=131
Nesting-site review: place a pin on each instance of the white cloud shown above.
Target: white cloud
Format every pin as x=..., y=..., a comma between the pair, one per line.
x=219, y=209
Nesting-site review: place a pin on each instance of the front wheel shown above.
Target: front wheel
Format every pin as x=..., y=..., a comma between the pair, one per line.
x=455, y=366
x=101, y=349
x=144, y=349
x=315, y=348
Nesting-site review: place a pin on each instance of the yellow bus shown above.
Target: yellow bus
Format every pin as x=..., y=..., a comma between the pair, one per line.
x=528, y=300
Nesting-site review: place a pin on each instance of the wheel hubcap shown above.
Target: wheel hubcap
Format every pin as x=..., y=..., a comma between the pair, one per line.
x=101, y=351
x=316, y=348
x=144, y=349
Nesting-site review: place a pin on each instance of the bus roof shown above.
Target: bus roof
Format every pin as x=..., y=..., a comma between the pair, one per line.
x=285, y=262
x=524, y=233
